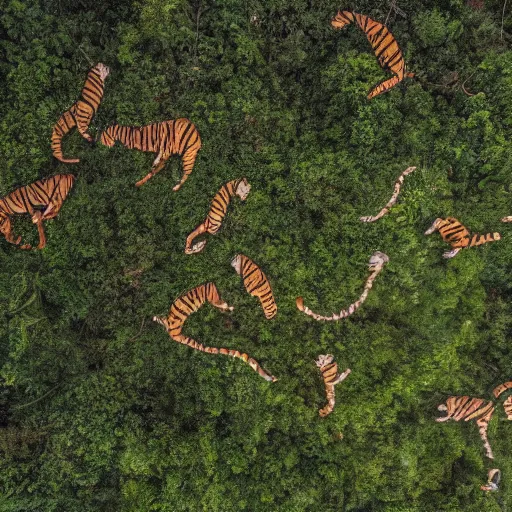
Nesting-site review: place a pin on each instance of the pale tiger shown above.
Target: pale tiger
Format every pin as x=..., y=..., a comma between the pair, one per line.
x=376, y=264
x=167, y=138
x=189, y=303
x=466, y=408
x=81, y=112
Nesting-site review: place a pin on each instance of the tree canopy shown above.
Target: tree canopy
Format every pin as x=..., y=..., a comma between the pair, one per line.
x=100, y=410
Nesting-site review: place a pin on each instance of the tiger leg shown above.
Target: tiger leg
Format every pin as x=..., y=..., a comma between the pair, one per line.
x=189, y=159
x=189, y=249
x=37, y=218
x=223, y=306
x=158, y=165
x=452, y=253
x=53, y=209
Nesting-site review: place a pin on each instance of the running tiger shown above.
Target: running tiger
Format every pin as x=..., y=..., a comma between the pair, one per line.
x=384, y=45
x=466, y=408
x=331, y=377
x=376, y=264
x=176, y=137
x=256, y=283
x=393, y=199
x=49, y=193
x=453, y=232
x=189, y=303
x=217, y=212
x=81, y=112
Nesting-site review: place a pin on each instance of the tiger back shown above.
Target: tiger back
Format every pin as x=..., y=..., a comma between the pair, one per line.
x=256, y=283
x=217, y=212
x=81, y=112
x=384, y=44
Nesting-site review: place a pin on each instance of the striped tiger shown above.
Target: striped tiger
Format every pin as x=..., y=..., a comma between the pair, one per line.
x=167, y=138
x=394, y=197
x=217, y=212
x=376, y=264
x=453, y=232
x=467, y=408
x=331, y=377
x=189, y=303
x=384, y=45
x=256, y=283
x=48, y=193
x=81, y=112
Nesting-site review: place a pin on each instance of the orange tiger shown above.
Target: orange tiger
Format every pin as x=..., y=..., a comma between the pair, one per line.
x=256, y=283
x=453, y=232
x=49, y=193
x=167, y=138
x=217, y=212
x=384, y=45
x=81, y=112
x=331, y=377
x=189, y=303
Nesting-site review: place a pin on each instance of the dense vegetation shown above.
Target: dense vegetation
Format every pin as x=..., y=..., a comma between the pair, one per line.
x=101, y=411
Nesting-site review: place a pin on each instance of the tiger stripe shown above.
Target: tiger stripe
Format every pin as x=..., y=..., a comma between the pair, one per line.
x=49, y=193
x=454, y=233
x=384, y=45
x=331, y=377
x=217, y=212
x=175, y=137
x=189, y=303
x=256, y=283
x=81, y=112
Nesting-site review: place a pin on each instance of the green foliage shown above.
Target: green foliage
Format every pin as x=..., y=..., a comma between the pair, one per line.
x=100, y=410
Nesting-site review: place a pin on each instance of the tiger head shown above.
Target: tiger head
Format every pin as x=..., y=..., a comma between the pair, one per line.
x=243, y=188
x=101, y=70
x=108, y=136
x=378, y=260
x=162, y=320
x=342, y=19
x=324, y=360
x=236, y=263
x=449, y=407
x=436, y=225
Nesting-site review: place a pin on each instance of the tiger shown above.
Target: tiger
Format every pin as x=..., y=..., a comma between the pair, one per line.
x=256, y=283
x=218, y=209
x=376, y=264
x=384, y=45
x=49, y=193
x=167, y=138
x=394, y=197
x=189, y=303
x=453, y=232
x=466, y=408
x=331, y=377
x=81, y=112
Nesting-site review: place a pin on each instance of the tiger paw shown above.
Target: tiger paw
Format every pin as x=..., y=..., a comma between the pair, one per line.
x=177, y=187
x=196, y=248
